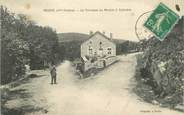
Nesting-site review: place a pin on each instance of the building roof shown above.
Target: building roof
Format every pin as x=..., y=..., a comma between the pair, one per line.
x=97, y=32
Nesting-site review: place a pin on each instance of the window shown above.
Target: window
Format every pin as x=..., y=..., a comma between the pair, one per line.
x=109, y=51
x=90, y=50
x=100, y=44
x=95, y=53
x=101, y=49
x=100, y=52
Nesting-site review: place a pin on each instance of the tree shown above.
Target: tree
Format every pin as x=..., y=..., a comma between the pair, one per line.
x=13, y=49
x=23, y=42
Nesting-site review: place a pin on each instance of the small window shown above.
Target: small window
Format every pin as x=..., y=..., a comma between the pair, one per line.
x=100, y=44
x=90, y=50
x=101, y=49
x=109, y=50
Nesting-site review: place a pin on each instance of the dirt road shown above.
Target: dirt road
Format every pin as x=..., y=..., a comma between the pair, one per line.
x=107, y=93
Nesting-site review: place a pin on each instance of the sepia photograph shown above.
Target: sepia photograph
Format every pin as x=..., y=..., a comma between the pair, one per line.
x=92, y=57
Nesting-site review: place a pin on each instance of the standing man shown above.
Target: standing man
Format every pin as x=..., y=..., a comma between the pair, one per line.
x=53, y=74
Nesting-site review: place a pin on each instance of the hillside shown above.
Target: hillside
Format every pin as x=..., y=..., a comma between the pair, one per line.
x=67, y=37
x=161, y=68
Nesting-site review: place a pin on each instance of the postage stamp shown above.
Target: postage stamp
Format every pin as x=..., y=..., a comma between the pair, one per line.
x=161, y=21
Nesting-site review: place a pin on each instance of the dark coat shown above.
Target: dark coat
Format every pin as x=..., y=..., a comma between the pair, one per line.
x=53, y=72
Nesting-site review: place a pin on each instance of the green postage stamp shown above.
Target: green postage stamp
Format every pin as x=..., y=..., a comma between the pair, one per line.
x=161, y=21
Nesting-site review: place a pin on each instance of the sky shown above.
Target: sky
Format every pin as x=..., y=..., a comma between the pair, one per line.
x=119, y=22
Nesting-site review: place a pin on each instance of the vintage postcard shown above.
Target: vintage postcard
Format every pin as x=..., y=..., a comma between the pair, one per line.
x=92, y=57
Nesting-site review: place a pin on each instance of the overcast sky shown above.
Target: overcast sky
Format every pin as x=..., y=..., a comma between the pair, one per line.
x=120, y=23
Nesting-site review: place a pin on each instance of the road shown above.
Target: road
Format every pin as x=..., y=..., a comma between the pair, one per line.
x=107, y=93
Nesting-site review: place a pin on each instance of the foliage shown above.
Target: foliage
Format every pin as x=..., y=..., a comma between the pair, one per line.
x=70, y=50
x=23, y=42
x=171, y=52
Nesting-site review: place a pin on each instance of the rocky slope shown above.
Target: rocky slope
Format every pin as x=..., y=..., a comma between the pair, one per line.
x=162, y=67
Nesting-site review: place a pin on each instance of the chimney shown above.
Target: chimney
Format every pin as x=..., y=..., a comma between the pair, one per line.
x=111, y=35
x=90, y=32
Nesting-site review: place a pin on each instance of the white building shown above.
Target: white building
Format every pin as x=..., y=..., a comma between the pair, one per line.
x=98, y=51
